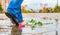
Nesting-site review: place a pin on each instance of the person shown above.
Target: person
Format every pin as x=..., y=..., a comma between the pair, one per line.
x=14, y=12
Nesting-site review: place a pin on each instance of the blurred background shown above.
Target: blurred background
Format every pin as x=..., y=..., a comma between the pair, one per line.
x=34, y=6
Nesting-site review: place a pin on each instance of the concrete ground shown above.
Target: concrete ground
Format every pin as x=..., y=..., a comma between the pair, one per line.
x=7, y=28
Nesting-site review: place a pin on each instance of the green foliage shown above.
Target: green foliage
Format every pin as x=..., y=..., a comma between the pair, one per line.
x=1, y=7
x=27, y=24
x=56, y=9
x=34, y=23
x=25, y=11
x=39, y=23
x=33, y=27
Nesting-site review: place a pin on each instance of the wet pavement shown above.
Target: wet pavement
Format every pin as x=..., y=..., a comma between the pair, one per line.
x=13, y=30
x=7, y=28
x=16, y=31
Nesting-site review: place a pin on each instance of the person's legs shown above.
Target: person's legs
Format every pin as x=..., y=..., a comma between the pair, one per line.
x=15, y=9
x=12, y=18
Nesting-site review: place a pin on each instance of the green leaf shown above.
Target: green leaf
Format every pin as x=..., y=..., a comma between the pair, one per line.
x=39, y=23
x=33, y=21
x=33, y=27
x=47, y=23
x=27, y=24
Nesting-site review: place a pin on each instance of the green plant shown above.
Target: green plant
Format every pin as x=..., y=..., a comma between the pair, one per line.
x=56, y=9
x=33, y=23
x=1, y=7
x=39, y=23
x=25, y=11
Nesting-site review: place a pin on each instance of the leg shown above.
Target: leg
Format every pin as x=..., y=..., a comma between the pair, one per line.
x=15, y=8
x=13, y=19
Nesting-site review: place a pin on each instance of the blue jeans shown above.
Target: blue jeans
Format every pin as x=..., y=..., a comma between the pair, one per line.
x=14, y=8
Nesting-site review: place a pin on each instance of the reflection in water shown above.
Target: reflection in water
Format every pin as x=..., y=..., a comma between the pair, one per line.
x=15, y=31
x=11, y=30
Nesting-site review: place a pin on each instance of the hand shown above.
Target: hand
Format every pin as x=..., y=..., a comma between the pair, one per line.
x=21, y=25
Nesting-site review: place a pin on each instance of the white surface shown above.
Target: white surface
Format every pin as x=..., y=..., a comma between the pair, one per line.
x=44, y=28
x=46, y=33
x=39, y=17
x=50, y=33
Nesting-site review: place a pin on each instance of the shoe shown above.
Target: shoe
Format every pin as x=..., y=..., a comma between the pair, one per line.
x=21, y=25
